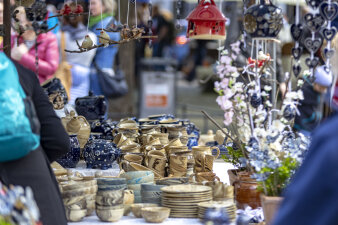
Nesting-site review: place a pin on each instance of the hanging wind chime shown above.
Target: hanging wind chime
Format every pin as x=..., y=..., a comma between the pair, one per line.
x=206, y=22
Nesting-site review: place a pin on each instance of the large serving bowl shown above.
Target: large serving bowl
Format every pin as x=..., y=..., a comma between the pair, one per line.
x=142, y=180
x=136, y=208
x=135, y=174
x=155, y=214
x=110, y=214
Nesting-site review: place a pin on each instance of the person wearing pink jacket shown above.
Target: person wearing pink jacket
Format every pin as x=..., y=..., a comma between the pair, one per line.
x=23, y=51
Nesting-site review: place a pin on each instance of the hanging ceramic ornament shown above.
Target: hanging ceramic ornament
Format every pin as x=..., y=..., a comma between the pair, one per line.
x=104, y=38
x=263, y=20
x=297, y=31
x=313, y=3
x=87, y=43
x=206, y=22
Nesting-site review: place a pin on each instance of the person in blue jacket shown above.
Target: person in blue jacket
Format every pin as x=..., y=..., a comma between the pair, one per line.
x=312, y=196
x=105, y=57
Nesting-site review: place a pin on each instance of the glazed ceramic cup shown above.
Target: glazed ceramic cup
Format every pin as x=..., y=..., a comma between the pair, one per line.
x=206, y=176
x=128, y=197
x=133, y=158
x=112, y=214
x=133, y=148
x=176, y=149
x=159, y=148
x=172, y=143
x=157, y=163
x=178, y=166
x=163, y=137
x=119, y=139
x=204, y=150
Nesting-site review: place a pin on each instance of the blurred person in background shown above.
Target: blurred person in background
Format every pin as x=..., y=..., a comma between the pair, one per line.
x=73, y=30
x=23, y=49
x=311, y=107
x=164, y=28
x=105, y=57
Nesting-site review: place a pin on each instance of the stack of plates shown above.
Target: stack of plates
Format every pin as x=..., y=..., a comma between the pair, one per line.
x=183, y=199
x=229, y=206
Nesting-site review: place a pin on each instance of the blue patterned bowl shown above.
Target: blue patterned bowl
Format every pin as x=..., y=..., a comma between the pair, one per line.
x=72, y=157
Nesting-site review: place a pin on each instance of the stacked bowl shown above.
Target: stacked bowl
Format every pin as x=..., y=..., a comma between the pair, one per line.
x=135, y=179
x=109, y=199
x=78, y=198
x=151, y=193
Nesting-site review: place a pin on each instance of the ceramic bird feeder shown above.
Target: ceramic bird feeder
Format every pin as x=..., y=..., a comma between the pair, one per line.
x=206, y=22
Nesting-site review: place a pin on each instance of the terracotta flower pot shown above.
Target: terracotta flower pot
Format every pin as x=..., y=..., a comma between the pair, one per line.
x=246, y=191
x=270, y=206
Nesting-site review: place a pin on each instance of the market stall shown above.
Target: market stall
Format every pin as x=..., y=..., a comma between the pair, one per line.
x=160, y=168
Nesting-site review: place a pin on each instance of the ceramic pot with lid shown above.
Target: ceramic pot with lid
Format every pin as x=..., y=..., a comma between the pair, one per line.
x=91, y=107
x=263, y=20
x=100, y=153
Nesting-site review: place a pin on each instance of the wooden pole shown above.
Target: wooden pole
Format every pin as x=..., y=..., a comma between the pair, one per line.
x=7, y=28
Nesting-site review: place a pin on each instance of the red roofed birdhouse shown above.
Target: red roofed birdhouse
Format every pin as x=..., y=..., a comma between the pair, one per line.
x=206, y=22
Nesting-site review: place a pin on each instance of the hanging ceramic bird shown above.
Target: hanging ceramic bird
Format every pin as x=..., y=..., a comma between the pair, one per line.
x=66, y=10
x=78, y=10
x=104, y=38
x=262, y=56
x=24, y=3
x=87, y=43
x=137, y=32
x=126, y=33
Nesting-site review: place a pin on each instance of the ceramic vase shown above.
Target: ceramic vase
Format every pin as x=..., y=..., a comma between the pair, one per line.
x=73, y=156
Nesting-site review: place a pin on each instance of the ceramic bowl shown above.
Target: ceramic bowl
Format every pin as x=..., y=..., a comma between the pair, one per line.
x=135, y=174
x=155, y=214
x=78, y=192
x=74, y=215
x=110, y=198
x=71, y=185
x=111, y=181
x=151, y=187
x=137, y=187
x=78, y=205
x=90, y=207
x=136, y=208
x=141, y=180
x=112, y=187
x=73, y=200
x=129, y=197
x=127, y=209
x=173, y=181
x=110, y=215
x=134, y=167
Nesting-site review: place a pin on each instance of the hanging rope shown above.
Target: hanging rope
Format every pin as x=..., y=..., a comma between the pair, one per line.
x=90, y=3
x=101, y=14
x=119, y=11
x=128, y=14
x=135, y=13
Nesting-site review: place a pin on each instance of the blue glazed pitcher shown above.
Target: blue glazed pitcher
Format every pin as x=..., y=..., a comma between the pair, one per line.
x=71, y=159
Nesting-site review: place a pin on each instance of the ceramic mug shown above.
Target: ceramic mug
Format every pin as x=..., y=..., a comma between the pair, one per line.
x=205, y=150
x=133, y=148
x=157, y=163
x=173, y=143
x=133, y=158
x=206, y=176
x=163, y=137
x=159, y=148
x=129, y=141
x=119, y=139
x=176, y=149
x=150, y=141
x=178, y=166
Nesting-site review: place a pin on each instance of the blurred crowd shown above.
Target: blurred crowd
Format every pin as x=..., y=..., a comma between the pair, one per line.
x=47, y=56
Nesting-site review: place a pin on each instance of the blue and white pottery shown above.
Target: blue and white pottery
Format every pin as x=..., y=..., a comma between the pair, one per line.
x=72, y=157
x=100, y=153
x=192, y=141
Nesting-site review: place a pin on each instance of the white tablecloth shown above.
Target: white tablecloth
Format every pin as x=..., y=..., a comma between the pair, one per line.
x=132, y=220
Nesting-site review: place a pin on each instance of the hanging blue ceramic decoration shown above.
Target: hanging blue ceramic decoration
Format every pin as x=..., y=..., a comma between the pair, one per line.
x=297, y=51
x=314, y=21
